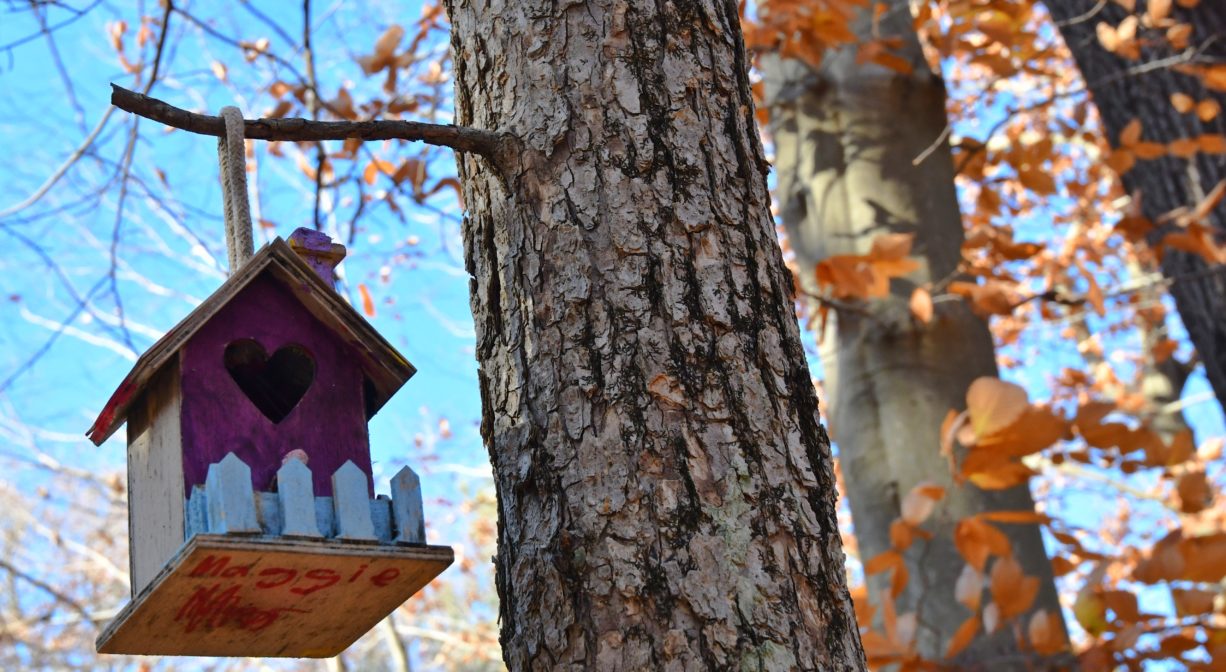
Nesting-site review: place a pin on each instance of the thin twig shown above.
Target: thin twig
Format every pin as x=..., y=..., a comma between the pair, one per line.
x=46, y=588
x=1093, y=11
x=59, y=172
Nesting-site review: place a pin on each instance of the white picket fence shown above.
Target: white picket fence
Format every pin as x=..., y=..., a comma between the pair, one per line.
x=228, y=504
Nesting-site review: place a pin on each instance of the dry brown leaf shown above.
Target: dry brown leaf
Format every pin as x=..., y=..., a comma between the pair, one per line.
x=1002, y=477
x=1123, y=603
x=968, y=590
x=920, y=502
x=1016, y=517
x=1157, y=11
x=976, y=540
x=921, y=305
x=882, y=562
x=902, y=535
x=1148, y=151
x=1194, y=490
x=1046, y=633
x=962, y=637
x=1208, y=109
x=1182, y=102
x=1212, y=143
x=1192, y=601
x=1184, y=148
x=994, y=404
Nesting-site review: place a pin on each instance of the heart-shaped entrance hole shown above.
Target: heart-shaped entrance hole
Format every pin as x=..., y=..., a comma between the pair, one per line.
x=274, y=384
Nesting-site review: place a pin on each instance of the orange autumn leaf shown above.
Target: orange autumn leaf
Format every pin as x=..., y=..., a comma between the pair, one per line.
x=1163, y=350
x=1002, y=477
x=368, y=304
x=1148, y=150
x=1194, y=490
x=1177, y=557
x=991, y=298
x=1046, y=633
x=962, y=636
x=882, y=562
x=1182, y=102
x=902, y=535
x=976, y=540
x=1120, y=160
x=1061, y=566
x=968, y=589
x=1192, y=601
x=1035, y=429
x=1122, y=603
x=867, y=276
x=898, y=580
x=993, y=405
x=1184, y=148
x=1131, y=134
x=1214, y=77
x=920, y=502
x=1157, y=11
x=921, y=305
x=1016, y=517
x=376, y=166
x=1208, y=109
x=1212, y=143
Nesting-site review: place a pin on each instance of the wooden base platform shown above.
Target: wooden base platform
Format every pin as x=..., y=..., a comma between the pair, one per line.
x=269, y=597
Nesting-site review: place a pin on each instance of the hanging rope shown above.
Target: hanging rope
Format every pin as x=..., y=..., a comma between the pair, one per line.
x=232, y=155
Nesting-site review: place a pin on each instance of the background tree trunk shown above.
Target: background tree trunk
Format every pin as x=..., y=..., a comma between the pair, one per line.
x=1125, y=90
x=666, y=497
x=846, y=136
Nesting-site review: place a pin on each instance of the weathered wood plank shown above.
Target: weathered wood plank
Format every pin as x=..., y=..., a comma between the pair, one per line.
x=231, y=502
x=295, y=488
x=197, y=513
x=253, y=596
x=352, y=505
x=407, y=505
x=381, y=517
x=155, y=478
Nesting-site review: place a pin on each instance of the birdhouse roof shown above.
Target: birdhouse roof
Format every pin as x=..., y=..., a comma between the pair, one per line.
x=386, y=368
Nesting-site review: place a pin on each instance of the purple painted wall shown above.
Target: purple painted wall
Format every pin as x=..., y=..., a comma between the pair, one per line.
x=329, y=422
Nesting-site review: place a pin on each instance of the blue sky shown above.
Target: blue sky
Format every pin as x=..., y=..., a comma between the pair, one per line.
x=59, y=361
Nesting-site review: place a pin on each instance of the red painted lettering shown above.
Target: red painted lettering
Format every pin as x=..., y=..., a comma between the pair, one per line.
x=385, y=577
x=325, y=578
x=210, y=566
x=357, y=573
x=212, y=608
x=287, y=575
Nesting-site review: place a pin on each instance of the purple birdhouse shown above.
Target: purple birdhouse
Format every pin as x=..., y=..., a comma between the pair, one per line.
x=249, y=417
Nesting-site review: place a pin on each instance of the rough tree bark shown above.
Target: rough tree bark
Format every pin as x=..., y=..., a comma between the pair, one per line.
x=666, y=498
x=846, y=136
x=1124, y=90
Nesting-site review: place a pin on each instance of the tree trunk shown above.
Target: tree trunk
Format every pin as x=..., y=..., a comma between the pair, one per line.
x=1124, y=90
x=846, y=136
x=665, y=490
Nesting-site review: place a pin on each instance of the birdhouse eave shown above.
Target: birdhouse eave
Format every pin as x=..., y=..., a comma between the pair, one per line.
x=386, y=369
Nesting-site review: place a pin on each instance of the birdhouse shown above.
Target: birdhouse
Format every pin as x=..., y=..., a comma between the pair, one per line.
x=254, y=528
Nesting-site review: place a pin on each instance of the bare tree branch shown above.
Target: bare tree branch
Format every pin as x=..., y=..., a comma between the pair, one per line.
x=498, y=147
